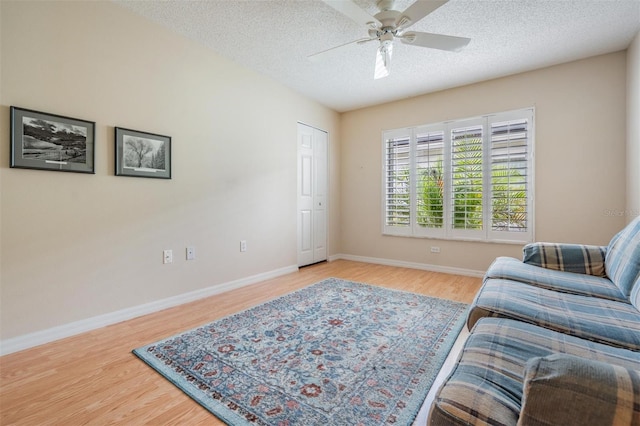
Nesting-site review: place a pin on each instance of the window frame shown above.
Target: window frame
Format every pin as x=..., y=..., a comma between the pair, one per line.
x=487, y=233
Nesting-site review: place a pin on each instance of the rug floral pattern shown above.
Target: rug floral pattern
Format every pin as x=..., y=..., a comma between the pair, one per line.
x=334, y=353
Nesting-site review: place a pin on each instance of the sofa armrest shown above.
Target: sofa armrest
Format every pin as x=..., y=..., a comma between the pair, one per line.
x=567, y=390
x=578, y=258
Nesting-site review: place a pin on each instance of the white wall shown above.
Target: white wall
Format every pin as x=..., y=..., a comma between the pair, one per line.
x=74, y=246
x=633, y=129
x=580, y=159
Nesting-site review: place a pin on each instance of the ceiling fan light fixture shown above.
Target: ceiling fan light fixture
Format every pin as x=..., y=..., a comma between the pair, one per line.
x=383, y=60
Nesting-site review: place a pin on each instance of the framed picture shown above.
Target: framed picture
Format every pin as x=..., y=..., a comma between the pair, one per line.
x=142, y=154
x=40, y=140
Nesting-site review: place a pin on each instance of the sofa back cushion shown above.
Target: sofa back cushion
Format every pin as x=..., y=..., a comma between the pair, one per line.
x=622, y=262
x=635, y=294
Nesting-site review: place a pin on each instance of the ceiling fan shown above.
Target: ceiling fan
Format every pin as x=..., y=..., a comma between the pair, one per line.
x=389, y=25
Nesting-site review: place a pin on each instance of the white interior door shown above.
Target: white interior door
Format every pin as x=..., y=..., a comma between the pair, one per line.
x=312, y=195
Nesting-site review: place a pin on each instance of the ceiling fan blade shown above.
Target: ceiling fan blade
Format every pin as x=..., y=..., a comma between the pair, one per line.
x=435, y=41
x=320, y=55
x=352, y=11
x=383, y=61
x=417, y=11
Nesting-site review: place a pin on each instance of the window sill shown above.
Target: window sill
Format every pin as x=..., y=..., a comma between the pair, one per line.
x=466, y=240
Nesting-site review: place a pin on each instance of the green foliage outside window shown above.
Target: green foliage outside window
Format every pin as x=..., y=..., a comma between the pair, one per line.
x=508, y=204
x=430, y=210
x=466, y=180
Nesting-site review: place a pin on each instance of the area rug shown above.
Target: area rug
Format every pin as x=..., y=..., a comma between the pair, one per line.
x=334, y=353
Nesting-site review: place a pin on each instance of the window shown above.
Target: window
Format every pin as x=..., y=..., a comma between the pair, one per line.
x=466, y=179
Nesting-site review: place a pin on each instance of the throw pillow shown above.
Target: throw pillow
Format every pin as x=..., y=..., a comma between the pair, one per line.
x=566, y=390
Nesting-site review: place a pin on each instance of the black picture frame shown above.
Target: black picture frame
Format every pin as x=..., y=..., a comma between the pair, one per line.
x=142, y=154
x=45, y=141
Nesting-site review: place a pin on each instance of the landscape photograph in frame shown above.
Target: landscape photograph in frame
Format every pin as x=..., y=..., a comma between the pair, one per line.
x=142, y=154
x=45, y=141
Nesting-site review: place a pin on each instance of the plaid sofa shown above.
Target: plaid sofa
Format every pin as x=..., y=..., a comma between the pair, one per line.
x=555, y=340
x=487, y=385
x=593, y=318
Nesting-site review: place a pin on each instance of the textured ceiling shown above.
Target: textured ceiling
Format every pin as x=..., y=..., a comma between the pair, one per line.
x=274, y=37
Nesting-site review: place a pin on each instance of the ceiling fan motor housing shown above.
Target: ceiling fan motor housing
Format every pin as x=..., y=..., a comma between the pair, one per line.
x=386, y=37
x=388, y=18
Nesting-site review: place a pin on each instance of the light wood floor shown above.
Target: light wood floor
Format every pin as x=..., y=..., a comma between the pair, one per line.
x=93, y=378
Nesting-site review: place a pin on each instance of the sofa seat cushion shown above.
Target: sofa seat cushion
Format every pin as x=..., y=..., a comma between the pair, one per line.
x=486, y=384
x=510, y=268
x=600, y=393
x=592, y=318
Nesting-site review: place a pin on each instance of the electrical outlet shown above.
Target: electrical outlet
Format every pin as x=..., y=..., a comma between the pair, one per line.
x=243, y=245
x=167, y=256
x=435, y=249
x=191, y=253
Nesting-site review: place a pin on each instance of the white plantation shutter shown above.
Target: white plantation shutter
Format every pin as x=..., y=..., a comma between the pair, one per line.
x=511, y=173
x=429, y=181
x=397, y=183
x=466, y=179
x=466, y=206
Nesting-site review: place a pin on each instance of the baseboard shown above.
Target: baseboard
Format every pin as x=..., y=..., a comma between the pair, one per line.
x=412, y=265
x=37, y=338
